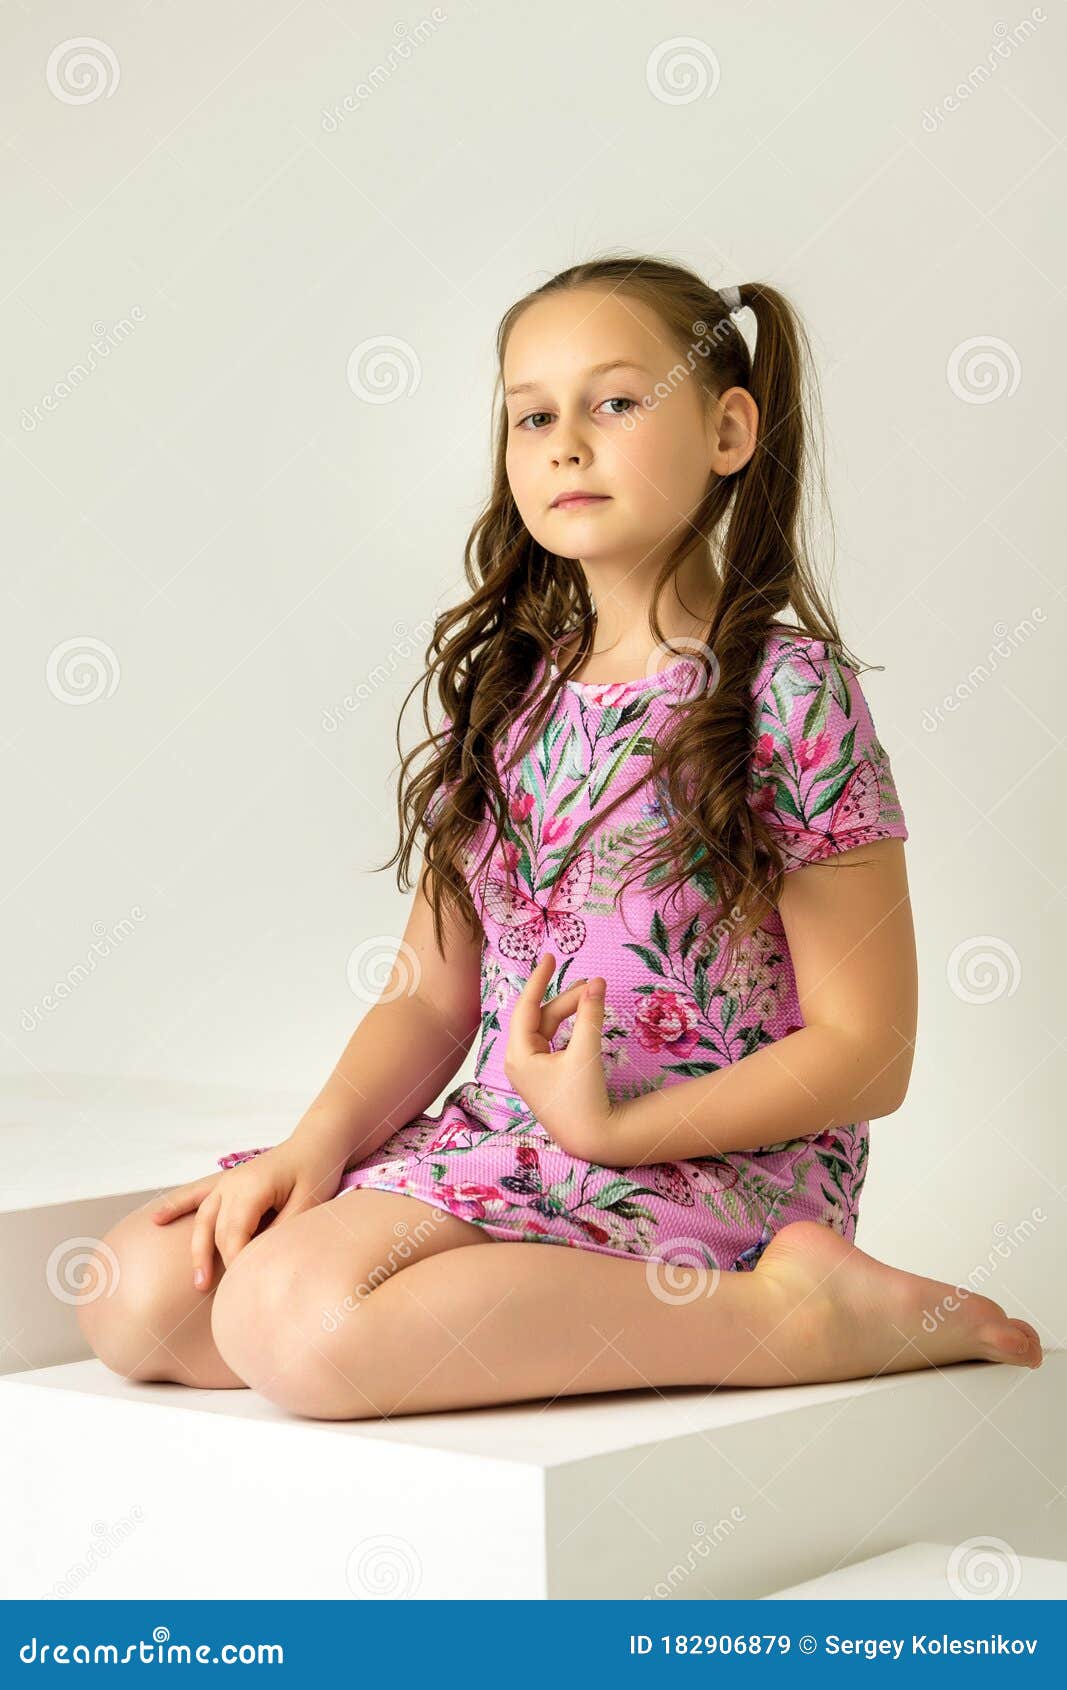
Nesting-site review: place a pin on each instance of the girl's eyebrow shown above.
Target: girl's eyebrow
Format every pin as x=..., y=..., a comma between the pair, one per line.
x=593, y=370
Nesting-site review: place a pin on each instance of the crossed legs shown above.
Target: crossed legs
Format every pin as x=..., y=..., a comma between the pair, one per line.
x=376, y=1304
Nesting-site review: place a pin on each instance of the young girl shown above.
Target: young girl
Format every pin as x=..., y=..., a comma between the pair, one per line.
x=634, y=827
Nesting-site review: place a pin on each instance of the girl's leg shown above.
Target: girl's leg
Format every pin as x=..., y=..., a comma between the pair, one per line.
x=514, y=1322
x=154, y=1324
x=142, y=1314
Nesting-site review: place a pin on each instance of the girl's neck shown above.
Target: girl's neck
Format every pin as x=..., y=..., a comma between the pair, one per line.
x=622, y=596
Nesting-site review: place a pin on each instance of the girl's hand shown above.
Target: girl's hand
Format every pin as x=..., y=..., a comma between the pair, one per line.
x=565, y=1089
x=230, y=1205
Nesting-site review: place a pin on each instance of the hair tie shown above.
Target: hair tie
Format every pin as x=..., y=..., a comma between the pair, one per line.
x=732, y=299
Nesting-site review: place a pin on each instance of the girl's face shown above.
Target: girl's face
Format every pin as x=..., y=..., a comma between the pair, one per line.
x=640, y=434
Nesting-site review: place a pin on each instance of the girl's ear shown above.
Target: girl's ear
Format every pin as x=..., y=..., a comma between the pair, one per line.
x=735, y=427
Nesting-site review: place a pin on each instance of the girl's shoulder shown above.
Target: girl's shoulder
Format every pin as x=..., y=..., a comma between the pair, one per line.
x=782, y=645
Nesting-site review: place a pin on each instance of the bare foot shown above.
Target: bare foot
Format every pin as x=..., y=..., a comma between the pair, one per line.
x=845, y=1315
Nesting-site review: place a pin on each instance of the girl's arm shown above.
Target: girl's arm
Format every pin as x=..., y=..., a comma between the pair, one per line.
x=852, y=942
x=406, y=1048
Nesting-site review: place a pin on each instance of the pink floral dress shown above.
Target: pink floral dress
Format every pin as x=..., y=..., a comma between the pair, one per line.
x=673, y=1011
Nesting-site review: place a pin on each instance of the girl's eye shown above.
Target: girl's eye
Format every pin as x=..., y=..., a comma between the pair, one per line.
x=616, y=400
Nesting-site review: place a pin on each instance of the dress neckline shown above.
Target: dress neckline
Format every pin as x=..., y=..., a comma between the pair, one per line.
x=679, y=677
x=685, y=677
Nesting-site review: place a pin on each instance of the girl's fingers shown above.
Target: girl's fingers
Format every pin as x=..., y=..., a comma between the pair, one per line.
x=585, y=1041
x=203, y=1244
x=525, y=1021
x=237, y=1227
x=297, y=1201
x=181, y=1201
x=558, y=1008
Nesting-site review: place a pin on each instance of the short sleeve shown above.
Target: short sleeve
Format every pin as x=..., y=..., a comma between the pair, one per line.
x=819, y=774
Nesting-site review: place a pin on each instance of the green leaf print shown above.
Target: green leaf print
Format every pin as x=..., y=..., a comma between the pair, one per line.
x=532, y=779
x=844, y=761
x=786, y=688
x=835, y=1167
x=752, y=1038
x=659, y=934
x=649, y=958
x=839, y=683
x=617, y=1191
x=613, y=848
x=784, y=802
x=828, y=798
x=691, y=934
x=706, y=884
x=818, y=712
x=632, y=1211
x=560, y=1188
x=568, y=801
x=597, y=789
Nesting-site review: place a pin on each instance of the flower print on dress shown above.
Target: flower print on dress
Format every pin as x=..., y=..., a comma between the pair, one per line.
x=679, y=1003
x=667, y=1021
x=819, y=773
x=697, y=1010
x=614, y=1033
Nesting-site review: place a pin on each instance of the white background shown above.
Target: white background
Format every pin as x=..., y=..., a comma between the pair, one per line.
x=251, y=542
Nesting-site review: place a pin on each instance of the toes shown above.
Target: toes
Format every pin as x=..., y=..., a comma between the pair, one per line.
x=1012, y=1341
x=1035, y=1354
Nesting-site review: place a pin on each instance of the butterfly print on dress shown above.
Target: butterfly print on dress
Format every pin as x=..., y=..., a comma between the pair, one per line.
x=528, y=927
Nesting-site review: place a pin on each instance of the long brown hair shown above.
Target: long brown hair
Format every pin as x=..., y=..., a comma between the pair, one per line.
x=524, y=599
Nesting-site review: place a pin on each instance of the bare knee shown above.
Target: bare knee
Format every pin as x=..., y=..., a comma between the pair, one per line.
x=281, y=1320
x=128, y=1301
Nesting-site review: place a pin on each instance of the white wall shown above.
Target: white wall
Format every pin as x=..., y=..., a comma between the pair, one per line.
x=251, y=542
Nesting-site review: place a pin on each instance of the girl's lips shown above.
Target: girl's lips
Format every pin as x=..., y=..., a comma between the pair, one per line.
x=575, y=499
